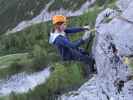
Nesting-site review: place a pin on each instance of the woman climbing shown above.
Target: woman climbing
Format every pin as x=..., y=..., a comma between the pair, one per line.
x=69, y=50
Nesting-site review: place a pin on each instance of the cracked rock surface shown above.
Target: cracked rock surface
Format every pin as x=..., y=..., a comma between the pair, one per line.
x=114, y=40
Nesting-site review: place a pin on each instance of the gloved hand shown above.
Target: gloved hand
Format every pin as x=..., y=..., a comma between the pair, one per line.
x=87, y=27
x=86, y=35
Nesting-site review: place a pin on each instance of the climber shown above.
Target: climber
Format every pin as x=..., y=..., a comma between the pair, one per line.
x=70, y=50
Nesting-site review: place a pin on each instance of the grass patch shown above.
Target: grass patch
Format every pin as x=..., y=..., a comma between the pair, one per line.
x=104, y=3
x=12, y=64
x=6, y=61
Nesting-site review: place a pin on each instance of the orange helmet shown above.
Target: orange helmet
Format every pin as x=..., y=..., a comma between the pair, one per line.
x=58, y=18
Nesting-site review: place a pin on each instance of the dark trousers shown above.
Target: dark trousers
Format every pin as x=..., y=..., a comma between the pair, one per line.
x=86, y=58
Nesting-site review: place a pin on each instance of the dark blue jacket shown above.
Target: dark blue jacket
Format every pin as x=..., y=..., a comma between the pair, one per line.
x=70, y=50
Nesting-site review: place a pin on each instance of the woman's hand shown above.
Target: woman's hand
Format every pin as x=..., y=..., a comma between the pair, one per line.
x=87, y=27
x=86, y=35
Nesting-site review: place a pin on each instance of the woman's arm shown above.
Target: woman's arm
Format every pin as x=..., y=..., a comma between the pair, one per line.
x=74, y=30
x=65, y=42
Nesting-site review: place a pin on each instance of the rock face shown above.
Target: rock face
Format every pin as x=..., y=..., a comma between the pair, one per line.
x=113, y=41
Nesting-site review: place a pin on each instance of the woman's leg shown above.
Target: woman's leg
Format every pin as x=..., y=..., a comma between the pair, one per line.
x=86, y=59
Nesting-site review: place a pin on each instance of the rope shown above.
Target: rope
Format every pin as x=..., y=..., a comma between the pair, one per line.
x=124, y=19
